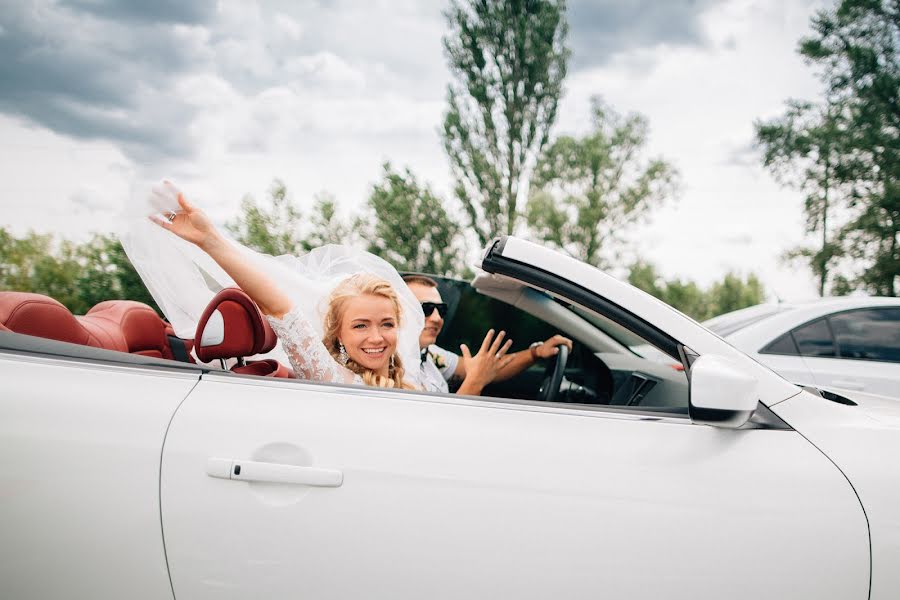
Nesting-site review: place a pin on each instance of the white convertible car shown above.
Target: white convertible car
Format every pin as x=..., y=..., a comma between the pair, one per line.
x=609, y=475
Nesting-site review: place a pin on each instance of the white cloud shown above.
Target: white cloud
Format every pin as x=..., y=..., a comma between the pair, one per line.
x=320, y=95
x=288, y=27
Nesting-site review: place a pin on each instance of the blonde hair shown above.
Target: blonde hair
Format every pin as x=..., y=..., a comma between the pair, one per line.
x=359, y=285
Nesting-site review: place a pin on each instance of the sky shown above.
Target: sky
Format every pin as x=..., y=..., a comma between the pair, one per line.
x=98, y=99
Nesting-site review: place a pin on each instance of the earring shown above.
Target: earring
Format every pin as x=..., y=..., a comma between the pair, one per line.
x=342, y=354
x=392, y=363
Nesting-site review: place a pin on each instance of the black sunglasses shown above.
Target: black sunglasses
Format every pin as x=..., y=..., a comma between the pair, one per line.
x=429, y=307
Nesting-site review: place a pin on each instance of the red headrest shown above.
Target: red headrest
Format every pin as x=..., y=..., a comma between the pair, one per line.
x=231, y=327
x=128, y=326
x=41, y=316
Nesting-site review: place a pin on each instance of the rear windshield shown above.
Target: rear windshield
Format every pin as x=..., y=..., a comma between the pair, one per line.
x=727, y=324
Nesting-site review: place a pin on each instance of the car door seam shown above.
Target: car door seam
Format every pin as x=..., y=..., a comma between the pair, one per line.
x=162, y=529
x=858, y=499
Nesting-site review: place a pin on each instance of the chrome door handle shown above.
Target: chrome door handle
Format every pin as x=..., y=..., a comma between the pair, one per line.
x=248, y=470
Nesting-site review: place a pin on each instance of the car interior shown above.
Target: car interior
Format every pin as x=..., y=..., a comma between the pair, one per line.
x=609, y=365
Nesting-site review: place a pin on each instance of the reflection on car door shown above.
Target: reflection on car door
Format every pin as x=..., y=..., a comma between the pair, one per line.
x=860, y=375
x=80, y=446
x=445, y=497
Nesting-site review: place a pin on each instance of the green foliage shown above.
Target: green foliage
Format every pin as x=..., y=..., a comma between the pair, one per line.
x=272, y=229
x=411, y=228
x=280, y=227
x=327, y=225
x=587, y=190
x=508, y=61
x=77, y=275
x=731, y=293
x=856, y=132
x=108, y=274
x=802, y=149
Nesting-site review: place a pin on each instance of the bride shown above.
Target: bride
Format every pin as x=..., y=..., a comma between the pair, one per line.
x=369, y=322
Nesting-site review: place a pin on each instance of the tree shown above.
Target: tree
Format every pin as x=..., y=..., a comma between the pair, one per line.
x=18, y=258
x=508, y=61
x=855, y=46
x=411, y=229
x=107, y=274
x=327, y=227
x=280, y=227
x=77, y=275
x=801, y=148
x=274, y=229
x=587, y=190
x=731, y=293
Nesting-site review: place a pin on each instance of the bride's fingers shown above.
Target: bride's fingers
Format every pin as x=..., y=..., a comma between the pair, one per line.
x=164, y=223
x=184, y=204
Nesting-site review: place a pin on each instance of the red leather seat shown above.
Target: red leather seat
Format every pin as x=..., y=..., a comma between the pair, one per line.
x=42, y=316
x=120, y=325
x=128, y=326
x=232, y=327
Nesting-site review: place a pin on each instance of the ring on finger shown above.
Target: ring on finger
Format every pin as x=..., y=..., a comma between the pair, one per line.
x=171, y=216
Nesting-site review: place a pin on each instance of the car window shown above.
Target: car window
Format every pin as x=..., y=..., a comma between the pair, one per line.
x=869, y=334
x=783, y=345
x=815, y=339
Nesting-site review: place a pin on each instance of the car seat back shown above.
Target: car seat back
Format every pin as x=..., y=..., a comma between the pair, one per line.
x=128, y=326
x=44, y=317
x=231, y=326
x=120, y=325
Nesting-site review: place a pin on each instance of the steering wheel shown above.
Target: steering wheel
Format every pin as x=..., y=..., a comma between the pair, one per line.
x=554, y=376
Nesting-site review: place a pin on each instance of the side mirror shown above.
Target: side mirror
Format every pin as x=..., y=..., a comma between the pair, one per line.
x=721, y=393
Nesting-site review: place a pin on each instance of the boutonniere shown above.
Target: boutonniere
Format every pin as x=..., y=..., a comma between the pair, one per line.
x=438, y=359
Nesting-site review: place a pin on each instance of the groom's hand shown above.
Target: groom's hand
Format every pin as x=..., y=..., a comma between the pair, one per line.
x=482, y=368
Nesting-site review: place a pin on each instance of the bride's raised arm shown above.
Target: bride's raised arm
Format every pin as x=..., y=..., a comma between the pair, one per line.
x=191, y=224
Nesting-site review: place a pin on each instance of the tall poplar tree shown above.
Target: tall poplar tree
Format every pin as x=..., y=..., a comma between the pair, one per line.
x=856, y=47
x=802, y=149
x=508, y=61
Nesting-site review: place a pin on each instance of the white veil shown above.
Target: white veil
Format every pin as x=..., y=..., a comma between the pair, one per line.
x=183, y=279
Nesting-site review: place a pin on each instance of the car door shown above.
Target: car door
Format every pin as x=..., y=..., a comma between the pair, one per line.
x=81, y=434
x=401, y=494
x=868, y=341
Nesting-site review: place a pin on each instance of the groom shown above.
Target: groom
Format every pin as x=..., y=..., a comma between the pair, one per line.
x=440, y=366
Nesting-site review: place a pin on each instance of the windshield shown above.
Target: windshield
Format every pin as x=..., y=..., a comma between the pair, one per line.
x=627, y=338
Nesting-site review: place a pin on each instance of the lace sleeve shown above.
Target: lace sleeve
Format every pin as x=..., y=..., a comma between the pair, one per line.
x=308, y=355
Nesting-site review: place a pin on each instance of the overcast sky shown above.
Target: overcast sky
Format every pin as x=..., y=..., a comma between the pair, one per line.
x=98, y=97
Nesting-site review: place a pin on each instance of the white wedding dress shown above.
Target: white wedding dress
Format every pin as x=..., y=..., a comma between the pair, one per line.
x=307, y=354
x=183, y=279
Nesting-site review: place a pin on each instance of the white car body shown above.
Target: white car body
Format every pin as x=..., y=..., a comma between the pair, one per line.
x=768, y=323
x=118, y=479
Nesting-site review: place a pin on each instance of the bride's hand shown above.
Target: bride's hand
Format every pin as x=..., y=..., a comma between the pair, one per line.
x=189, y=223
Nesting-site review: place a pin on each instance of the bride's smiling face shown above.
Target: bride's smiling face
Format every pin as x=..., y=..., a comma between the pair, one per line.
x=369, y=331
